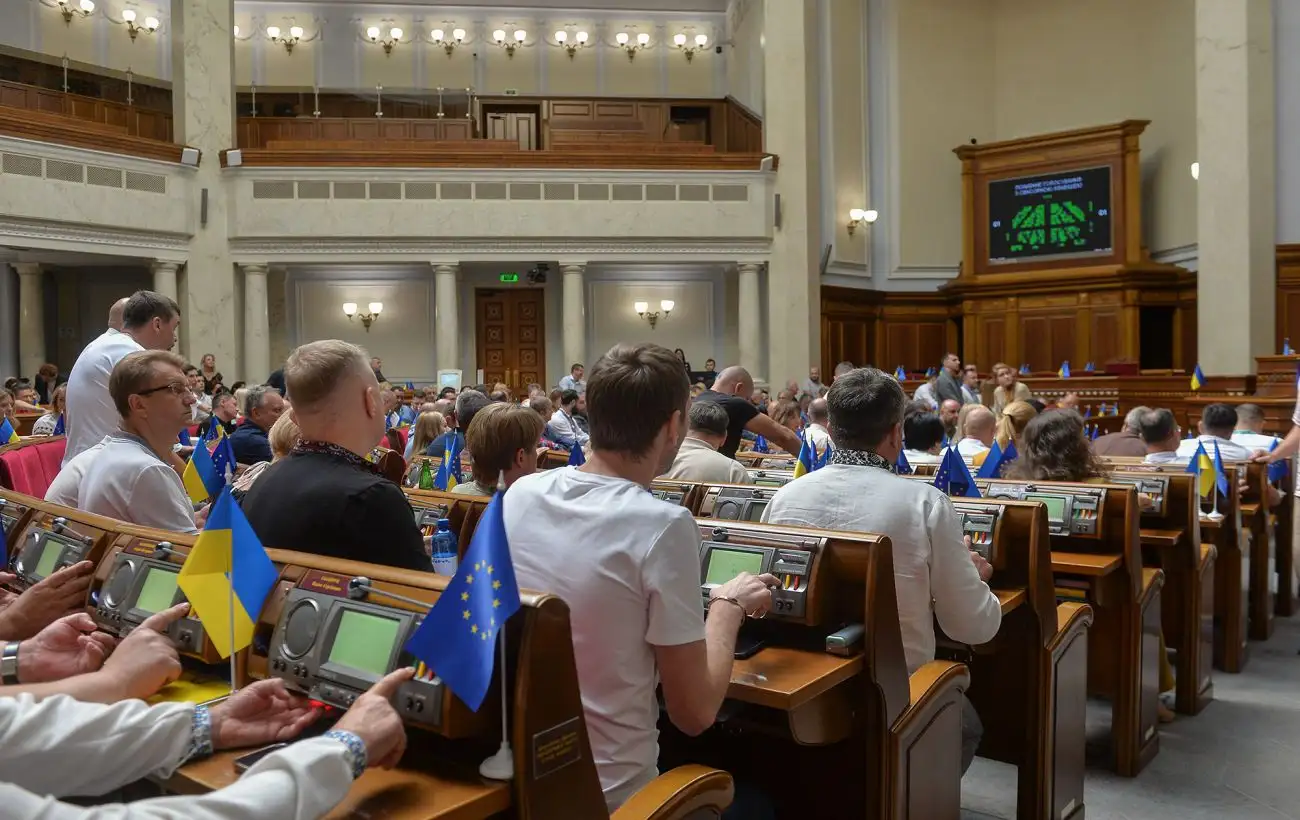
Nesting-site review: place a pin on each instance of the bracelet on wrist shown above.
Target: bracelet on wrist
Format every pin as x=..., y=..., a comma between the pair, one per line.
x=735, y=601
x=355, y=755
x=9, y=664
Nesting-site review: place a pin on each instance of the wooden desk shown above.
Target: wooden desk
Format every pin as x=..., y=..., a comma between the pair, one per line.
x=1011, y=598
x=1084, y=563
x=404, y=793
x=1161, y=538
x=785, y=678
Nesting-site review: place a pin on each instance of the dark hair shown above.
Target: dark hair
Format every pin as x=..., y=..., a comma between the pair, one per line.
x=497, y=396
x=146, y=305
x=1038, y=405
x=1055, y=449
x=1219, y=417
x=916, y=406
x=709, y=417
x=468, y=403
x=864, y=404
x=442, y=394
x=1157, y=425
x=922, y=431
x=634, y=390
x=237, y=386
x=568, y=397
x=188, y=369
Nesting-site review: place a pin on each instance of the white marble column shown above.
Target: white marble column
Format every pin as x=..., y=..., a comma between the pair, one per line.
x=203, y=116
x=31, y=318
x=1236, y=195
x=749, y=318
x=790, y=122
x=575, y=316
x=257, y=330
x=164, y=282
x=446, y=297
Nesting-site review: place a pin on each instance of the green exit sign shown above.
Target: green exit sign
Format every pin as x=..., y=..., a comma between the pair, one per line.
x=510, y=278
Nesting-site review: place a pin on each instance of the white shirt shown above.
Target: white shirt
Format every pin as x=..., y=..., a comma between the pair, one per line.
x=563, y=425
x=570, y=383
x=970, y=447
x=61, y=747
x=818, y=436
x=926, y=394
x=1251, y=441
x=697, y=461
x=126, y=481
x=65, y=489
x=933, y=573
x=915, y=457
x=629, y=587
x=90, y=413
x=1166, y=457
x=1229, y=450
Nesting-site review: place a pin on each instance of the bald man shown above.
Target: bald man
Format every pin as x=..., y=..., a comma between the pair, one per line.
x=818, y=419
x=731, y=389
x=980, y=426
x=115, y=315
x=949, y=410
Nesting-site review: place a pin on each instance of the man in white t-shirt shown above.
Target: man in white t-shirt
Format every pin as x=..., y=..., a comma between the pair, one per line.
x=129, y=475
x=1216, y=425
x=1250, y=428
x=628, y=565
x=149, y=322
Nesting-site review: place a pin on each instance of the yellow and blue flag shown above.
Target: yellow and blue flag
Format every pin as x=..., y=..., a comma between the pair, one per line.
x=825, y=457
x=1278, y=469
x=900, y=374
x=227, y=576
x=901, y=465
x=1202, y=467
x=1286, y=347
x=1220, y=473
x=761, y=445
x=807, y=455
x=577, y=458
x=216, y=430
x=203, y=477
x=457, y=639
x=1064, y=371
x=449, y=471
x=8, y=435
x=953, y=477
x=1024, y=370
x=1198, y=378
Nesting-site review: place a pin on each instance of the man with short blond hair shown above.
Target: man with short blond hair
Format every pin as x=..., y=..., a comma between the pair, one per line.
x=327, y=497
x=502, y=439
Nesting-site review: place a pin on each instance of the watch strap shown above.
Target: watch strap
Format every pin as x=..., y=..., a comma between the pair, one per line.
x=9, y=664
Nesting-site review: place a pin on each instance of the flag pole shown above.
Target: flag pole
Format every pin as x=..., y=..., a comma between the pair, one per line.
x=1215, y=515
x=230, y=585
x=501, y=766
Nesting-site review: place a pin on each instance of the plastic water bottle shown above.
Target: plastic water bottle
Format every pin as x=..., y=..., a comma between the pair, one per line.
x=444, y=549
x=426, y=476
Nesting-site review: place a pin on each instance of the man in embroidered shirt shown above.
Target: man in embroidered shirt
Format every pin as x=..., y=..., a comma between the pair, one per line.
x=936, y=574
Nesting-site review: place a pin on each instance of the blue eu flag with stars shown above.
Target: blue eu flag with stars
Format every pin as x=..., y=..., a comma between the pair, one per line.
x=458, y=637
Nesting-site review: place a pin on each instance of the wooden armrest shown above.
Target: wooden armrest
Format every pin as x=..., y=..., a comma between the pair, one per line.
x=1152, y=581
x=687, y=791
x=1069, y=615
x=1085, y=563
x=1010, y=598
x=1161, y=538
x=1251, y=508
x=930, y=681
x=1208, y=553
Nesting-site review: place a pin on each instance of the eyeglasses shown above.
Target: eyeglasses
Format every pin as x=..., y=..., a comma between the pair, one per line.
x=177, y=388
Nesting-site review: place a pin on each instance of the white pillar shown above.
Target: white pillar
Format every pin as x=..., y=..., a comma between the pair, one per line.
x=446, y=297
x=1236, y=204
x=750, y=319
x=31, y=318
x=164, y=277
x=575, y=316
x=257, y=330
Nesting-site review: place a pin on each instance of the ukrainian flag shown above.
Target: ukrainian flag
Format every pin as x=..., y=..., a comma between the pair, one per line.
x=807, y=455
x=201, y=478
x=1198, y=378
x=900, y=374
x=227, y=577
x=1064, y=372
x=1203, y=468
x=449, y=471
x=8, y=435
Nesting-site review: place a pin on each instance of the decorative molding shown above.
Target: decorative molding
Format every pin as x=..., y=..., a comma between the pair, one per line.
x=371, y=250
x=1186, y=256
x=68, y=236
x=902, y=272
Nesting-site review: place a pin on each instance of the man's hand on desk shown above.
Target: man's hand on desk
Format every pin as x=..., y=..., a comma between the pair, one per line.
x=69, y=646
x=373, y=719
x=263, y=712
x=983, y=567
x=754, y=592
x=54, y=596
x=146, y=660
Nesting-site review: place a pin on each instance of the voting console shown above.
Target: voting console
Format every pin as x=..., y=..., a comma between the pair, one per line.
x=1076, y=512
x=735, y=502
x=51, y=543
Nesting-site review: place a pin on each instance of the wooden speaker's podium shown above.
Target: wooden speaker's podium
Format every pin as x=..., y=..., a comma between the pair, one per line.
x=1053, y=267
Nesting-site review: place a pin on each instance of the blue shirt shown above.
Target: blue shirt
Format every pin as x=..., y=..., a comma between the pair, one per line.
x=250, y=444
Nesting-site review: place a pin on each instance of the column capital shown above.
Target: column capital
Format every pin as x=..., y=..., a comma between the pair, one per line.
x=749, y=267
x=445, y=268
x=28, y=268
x=166, y=265
x=254, y=268
x=576, y=268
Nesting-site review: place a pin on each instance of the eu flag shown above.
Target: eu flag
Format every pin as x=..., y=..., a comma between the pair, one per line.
x=1198, y=378
x=8, y=435
x=953, y=477
x=458, y=637
x=1024, y=370
x=1278, y=469
x=449, y=471
x=227, y=576
x=825, y=457
x=577, y=458
x=1286, y=347
x=760, y=445
x=997, y=459
x=900, y=374
x=223, y=462
x=60, y=426
x=1220, y=474
x=902, y=466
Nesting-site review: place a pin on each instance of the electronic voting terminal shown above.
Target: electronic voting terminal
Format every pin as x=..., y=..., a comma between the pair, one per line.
x=1152, y=490
x=724, y=554
x=9, y=515
x=736, y=502
x=143, y=580
x=1073, y=511
x=771, y=478
x=980, y=522
x=47, y=550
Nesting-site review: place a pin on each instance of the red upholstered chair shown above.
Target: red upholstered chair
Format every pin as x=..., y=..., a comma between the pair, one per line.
x=31, y=466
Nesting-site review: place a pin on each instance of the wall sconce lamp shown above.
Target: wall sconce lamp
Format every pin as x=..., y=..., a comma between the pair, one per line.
x=499, y=37
x=624, y=42
x=701, y=40
x=129, y=17
x=439, y=39
x=579, y=41
x=350, y=310
x=1196, y=170
x=84, y=8
x=295, y=35
x=643, y=310
x=394, y=37
x=857, y=217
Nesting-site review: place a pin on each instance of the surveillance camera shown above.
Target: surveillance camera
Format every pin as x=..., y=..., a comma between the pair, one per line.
x=717, y=49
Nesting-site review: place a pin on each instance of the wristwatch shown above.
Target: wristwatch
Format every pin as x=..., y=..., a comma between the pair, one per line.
x=9, y=664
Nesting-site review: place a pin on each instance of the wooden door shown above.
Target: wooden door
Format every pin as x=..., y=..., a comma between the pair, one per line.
x=511, y=336
x=517, y=123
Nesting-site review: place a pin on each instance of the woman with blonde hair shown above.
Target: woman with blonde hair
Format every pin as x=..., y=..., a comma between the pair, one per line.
x=428, y=427
x=1012, y=421
x=1009, y=387
x=48, y=424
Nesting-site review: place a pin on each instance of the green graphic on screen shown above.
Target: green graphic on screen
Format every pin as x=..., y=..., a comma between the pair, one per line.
x=727, y=564
x=1063, y=214
x=158, y=590
x=49, y=557
x=1055, y=505
x=364, y=642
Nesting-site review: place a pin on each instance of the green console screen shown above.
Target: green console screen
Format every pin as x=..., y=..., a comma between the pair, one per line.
x=158, y=590
x=1060, y=214
x=727, y=564
x=1055, y=505
x=364, y=641
x=49, y=557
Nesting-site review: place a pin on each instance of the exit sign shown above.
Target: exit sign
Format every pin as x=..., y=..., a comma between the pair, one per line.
x=510, y=278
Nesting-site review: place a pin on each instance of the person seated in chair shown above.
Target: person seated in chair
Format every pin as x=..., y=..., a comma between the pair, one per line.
x=1161, y=435
x=503, y=439
x=1127, y=443
x=468, y=404
x=225, y=409
x=1218, y=421
x=262, y=407
x=977, y=436
x=1250, y=428
x=698, y=458
x=923, y=436
x=937, y=576
x=563, y=426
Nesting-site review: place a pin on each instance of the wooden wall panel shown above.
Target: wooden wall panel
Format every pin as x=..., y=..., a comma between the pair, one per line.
x=1288, y=295
x=848, y=340
x=1063, y=329
x=1035, y=335
x=992, y=343
x=1105, y=337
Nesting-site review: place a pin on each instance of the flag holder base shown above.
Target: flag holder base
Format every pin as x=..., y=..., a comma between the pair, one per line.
x=500, y=766
x=1213, y=516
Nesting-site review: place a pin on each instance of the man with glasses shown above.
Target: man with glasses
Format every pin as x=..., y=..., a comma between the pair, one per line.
x=129, y=475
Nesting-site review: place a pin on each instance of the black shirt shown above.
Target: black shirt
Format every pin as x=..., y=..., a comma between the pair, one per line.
x=739, y=413
x=208, y=427
x=323, y=500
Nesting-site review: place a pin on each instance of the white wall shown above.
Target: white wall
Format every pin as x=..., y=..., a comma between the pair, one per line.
x=8, y=321
x=696, y=324
x=1286, y=33
x=745, y=80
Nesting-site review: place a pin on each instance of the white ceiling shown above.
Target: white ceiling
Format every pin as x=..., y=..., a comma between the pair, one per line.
x=659, y=6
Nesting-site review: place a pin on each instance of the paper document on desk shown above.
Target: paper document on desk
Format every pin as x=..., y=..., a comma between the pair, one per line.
x=193, y=688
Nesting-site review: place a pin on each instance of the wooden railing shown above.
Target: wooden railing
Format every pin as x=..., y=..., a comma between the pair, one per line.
x=136, y=122
x=64, y=130
x=259, y=132
x=622, y=156
x=743, y=128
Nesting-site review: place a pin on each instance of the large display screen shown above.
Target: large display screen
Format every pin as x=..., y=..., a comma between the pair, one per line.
x=364, y=641
x=158, y=590
x=1063, y=214
x=1055, y=505
x=727, y=564
x=49, y=557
